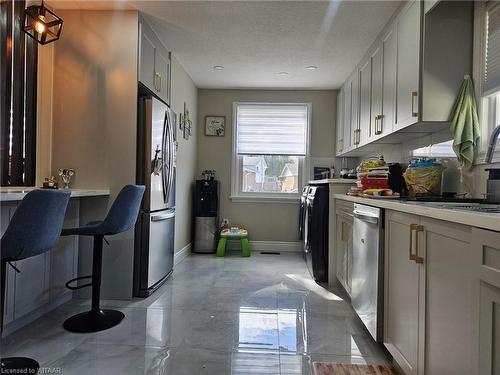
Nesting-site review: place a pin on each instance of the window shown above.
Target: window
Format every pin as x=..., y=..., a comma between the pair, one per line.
x=270, y=144
x=487, y=69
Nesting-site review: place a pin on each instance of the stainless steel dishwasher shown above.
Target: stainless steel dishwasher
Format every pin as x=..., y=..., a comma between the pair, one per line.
x=367, y=268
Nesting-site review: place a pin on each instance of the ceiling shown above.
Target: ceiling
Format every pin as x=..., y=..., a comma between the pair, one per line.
x=256, y=40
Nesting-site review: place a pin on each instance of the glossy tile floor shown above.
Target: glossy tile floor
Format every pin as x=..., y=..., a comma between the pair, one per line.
x=232, y=315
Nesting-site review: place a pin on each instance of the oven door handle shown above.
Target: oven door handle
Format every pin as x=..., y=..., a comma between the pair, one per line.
x=366, y=218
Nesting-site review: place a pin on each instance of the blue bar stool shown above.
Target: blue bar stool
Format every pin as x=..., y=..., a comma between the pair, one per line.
x=121, y=217
x=34, y=229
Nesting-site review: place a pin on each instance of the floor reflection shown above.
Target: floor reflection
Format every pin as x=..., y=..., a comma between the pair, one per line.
x=278, y=322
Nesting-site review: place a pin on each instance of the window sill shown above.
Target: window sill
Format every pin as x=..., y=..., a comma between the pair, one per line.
x=264, y=199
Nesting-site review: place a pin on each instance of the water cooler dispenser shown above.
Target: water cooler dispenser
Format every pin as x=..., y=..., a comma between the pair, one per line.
x=206, y=212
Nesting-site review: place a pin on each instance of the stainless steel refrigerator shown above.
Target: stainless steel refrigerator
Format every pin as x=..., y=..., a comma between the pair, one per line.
x=154, y=234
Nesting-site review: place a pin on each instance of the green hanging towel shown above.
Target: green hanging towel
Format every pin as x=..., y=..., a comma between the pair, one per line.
x=465, y=125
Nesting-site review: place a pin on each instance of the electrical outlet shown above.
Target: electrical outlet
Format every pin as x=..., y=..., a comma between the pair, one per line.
x=225, y=222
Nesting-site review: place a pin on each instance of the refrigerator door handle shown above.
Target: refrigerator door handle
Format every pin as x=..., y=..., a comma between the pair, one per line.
x=168, y=147
x=172, y=155
x=161, y=217
x=164, y=158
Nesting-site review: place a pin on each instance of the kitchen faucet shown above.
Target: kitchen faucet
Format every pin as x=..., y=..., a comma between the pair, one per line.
x=492, y=145
x=493, y=183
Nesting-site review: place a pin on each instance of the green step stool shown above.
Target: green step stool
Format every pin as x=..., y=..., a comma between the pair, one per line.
x=226, y=234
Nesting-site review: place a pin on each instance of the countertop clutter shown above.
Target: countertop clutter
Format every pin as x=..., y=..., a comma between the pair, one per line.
x=9, y=194
x=484, y=220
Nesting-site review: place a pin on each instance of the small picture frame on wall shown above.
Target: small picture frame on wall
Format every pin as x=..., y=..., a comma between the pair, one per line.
x=215, y=126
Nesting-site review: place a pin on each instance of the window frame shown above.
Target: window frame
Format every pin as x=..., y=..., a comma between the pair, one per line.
x=237, y=195
x=485, y=110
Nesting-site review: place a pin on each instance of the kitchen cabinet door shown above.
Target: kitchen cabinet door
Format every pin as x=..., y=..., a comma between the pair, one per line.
x=448, y=309
x=354, y=129
x=376, y=128
x=147, y=52
x=389, y=47
x=344, y=247
x=162, y=74
x=486, y=247
x=348, y=139
x=489, y=320
x=339, y=126
x=365, y=77
x=401, y=291
x=408, y=65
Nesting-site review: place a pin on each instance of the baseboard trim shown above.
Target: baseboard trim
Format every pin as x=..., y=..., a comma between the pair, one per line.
x=31, y=316
x=280, y=246
x=182, y=254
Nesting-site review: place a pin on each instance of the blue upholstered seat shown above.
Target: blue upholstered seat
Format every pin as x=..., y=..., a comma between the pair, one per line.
x=34, y=229
x=121, y=217
x=36, y=225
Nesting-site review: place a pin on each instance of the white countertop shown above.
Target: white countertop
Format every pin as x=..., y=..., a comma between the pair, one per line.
x=483, y=220
x=9, y=194
x=333, y=181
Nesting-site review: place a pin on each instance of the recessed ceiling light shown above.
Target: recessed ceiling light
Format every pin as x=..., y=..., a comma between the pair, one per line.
x=282, y=73
x=311, y=67
x=218, y=67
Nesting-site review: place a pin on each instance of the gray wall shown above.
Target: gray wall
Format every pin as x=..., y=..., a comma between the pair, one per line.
x=94, y=128
x=184, y=91
x=94, y=124
x=265, y=221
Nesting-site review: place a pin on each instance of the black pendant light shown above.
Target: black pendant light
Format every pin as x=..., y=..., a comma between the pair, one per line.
x=42, y=24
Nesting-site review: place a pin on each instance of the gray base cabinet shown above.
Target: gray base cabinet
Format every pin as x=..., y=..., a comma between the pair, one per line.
x=431, y=296
x=401, y=292
x=487, y=249
x=344, y=244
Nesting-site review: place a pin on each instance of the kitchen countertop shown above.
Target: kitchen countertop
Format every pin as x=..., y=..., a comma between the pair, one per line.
x=9, y=194
x=333, y=181
x=483, y=220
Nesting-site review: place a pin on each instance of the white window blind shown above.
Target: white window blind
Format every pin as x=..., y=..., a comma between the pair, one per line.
x=491, y=81
x=271, y=129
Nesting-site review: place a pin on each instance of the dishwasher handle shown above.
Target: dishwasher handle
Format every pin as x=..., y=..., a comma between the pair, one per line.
x=367, y=218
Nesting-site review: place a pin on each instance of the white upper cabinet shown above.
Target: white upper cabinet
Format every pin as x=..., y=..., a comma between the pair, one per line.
x=365, y=78
x=154, y=63
x=376, y=93
x=354, y=129
x=162, y=75
x=389, y=48
x=147, y=59
x=408, y=28
x=346, y=116
x=411, y=76
x=339, y=123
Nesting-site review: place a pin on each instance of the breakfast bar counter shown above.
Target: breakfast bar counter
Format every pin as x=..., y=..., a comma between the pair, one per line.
x=40, y=286
x=10, y=194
